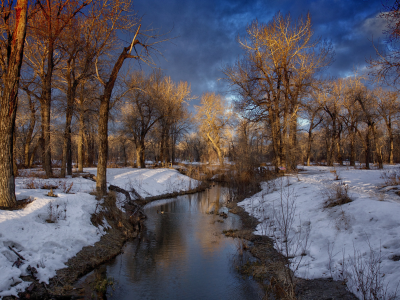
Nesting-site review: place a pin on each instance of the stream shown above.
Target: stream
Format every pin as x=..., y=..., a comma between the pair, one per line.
x=182, y=254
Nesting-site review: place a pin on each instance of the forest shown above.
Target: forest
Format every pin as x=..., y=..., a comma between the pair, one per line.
x=72, y=97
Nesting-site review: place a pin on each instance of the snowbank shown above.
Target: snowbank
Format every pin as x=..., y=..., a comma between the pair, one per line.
x=149, y=182
x=371, y=222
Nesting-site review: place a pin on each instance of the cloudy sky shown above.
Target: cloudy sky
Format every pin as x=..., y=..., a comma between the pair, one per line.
x=205, y=33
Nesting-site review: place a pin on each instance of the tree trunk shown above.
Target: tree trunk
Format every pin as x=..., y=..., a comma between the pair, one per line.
x=293, y=141
x=173, y=149
x=378, y=149
x=352, y=148
x=101, y=180
x=32, y=123
x=66, y=151
x=367, y=149
x=391, y=161
x=309, y=143
x=46, y=157
x=32, y=156
x=142, y=149
x=11, y=70
x=46, y=109
x=71, y=92
x=338, y=148
x=15, y=165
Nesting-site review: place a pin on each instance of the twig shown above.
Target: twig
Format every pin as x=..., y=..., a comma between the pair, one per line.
x=19, y=255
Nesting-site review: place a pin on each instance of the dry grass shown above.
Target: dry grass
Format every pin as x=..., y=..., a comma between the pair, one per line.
x=391, y=177
x=336, y=174
x=56, y=212
x=241, y=245
x=365, y=277
x=337, y=194
x=37, y=183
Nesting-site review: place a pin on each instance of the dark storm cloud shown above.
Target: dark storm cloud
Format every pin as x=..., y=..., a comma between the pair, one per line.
x=206, y=32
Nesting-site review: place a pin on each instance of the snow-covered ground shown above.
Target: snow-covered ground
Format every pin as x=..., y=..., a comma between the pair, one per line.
x=364, y=230
x=149, y=182
x=46, y=237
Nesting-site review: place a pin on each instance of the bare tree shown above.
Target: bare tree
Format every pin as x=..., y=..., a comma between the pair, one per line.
x=47, y=27
x=312, y=111
x=13, y=22
x=27, y=123
x=280, y=61
x=388, y=106
x=367, y=101
x=213, y=118
x=124, y=20
x=386, y=66
x=141, y=110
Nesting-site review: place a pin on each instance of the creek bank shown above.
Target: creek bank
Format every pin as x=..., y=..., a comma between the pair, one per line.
x=270, y=269
x=122, y=227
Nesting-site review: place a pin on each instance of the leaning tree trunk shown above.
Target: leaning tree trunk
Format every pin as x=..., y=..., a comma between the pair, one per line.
x=101, y=180
x=11, y=70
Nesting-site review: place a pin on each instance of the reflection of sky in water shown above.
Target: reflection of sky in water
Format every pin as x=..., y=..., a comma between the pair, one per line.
x=182, y=254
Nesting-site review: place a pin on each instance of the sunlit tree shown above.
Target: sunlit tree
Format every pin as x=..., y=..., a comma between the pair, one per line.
x=13, y=23
x=213, y=118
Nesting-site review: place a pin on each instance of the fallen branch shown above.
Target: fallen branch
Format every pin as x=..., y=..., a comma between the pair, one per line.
x=19, y=255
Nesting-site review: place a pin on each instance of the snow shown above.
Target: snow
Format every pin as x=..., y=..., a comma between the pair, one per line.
x=48, y=246
x=149, y=182
x=369, y=224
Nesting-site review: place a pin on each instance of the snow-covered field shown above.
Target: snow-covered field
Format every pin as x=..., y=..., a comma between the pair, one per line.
x=46, y=238
x=362, y=231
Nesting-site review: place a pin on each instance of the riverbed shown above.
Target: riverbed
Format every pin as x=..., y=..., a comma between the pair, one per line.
x=182, y=253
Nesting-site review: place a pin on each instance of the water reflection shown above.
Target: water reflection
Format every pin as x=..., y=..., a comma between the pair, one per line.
x=182, y=254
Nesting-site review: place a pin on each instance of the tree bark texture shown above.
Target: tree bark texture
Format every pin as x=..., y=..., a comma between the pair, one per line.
x=8, y=105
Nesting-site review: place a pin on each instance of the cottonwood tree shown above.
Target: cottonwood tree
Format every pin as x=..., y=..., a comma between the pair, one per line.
x=192, y=147
x=278, y=68
x=26, y=122
x=13, y=22
x=150, y=100
x=388, y=106
x=212, y=118
x=45, y=32
x=87, y=115
x=360, y=94
x=312, y=111
x=172, y=110
x=141, y=45
x=332, y=100
x=386, y=66
x=141, y=110
x=84, y=42
x=351, y=115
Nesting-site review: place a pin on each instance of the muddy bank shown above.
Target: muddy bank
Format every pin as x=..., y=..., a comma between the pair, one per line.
x=270, y=269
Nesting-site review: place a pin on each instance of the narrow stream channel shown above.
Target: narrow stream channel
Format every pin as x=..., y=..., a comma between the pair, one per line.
x=182, y=254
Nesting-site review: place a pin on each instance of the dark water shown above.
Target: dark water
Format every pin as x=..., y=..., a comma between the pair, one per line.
x=182, y=254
